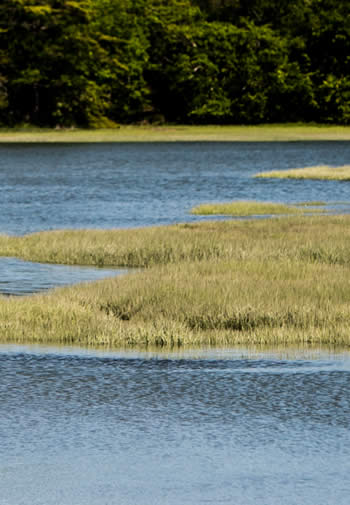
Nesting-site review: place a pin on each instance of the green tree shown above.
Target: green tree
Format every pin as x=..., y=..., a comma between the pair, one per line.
x=87, y=62
x=54, y=62
x=216, y=72
x=122, y=35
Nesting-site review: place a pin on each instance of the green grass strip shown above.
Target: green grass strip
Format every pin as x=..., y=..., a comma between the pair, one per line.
x=322, y=172
x=181, y=133
x=253, y=208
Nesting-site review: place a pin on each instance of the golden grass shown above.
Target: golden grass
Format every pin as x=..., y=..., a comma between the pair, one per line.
x=195, y=303
x=183, y=133
x=253, y=208
x=322, y=172
x=324, y=238
x=282, y=281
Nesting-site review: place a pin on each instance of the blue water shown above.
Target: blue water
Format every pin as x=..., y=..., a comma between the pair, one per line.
x=237, y=427
x=19, y=277
x=49, y=186
x=83, y=427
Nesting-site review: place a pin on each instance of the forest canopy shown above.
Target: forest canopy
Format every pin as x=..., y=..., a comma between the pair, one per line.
x=100, y=62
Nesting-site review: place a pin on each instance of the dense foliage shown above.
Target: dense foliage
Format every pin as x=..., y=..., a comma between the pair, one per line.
x=97, y=62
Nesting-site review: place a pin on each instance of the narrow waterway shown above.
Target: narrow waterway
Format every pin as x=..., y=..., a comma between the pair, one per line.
x=19, y=277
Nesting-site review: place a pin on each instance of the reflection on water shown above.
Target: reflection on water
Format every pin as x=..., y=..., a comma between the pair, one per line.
x=23, y=277
x=83, y=427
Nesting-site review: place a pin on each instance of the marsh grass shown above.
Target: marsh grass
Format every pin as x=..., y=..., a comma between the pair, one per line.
x=322, y=172
x=254, y=208
x=191, y=304
x=281, y=281
x=323, y=237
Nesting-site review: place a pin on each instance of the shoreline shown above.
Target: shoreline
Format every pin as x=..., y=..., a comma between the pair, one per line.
x=180, y=133
x=283, y=351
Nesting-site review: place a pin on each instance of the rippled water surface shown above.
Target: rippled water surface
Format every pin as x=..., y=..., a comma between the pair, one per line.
x=89, y=428
x=47, y=186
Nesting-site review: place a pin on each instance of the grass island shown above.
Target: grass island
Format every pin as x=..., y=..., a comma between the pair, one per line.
x=323, y=172
x=258, y=281
x=244, y=208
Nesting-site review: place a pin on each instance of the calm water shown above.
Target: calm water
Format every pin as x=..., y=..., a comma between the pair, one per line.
x=236, y=427
x=24, y=277
x=125, y=185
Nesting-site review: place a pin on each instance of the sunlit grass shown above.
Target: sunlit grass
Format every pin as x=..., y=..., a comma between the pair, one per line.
x=279, y=281
x=183, y=133
x=322, y=172
x=254, y=208
x=190, y=304
x=288, y=237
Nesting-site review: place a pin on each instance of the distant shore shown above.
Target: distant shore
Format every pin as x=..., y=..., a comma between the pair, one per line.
x=180, y=133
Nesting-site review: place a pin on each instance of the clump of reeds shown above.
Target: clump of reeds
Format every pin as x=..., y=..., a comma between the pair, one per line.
x=251, y=208
x=322, y=172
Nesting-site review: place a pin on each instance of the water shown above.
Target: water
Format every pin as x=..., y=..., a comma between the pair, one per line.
x=49, y=186
x=24, y=277
x=236, y=427
x=92, y=428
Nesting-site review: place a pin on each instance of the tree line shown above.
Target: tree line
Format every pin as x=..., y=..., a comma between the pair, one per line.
x=100, y=62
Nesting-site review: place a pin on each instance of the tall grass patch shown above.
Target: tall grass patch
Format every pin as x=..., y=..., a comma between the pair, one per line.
x=322, y=237
x=279, y=281
x=191, y=304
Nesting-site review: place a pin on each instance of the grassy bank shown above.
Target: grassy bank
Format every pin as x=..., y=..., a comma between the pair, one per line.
x=318, y=238
x=168, y=133
x=322, y=172
x=253, y=208
x=278, y=281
